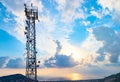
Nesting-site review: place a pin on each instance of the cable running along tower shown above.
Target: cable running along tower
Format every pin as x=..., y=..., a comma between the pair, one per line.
x=31, y=13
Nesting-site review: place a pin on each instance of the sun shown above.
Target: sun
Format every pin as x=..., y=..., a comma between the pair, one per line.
x=76, y=56
x=75, y=76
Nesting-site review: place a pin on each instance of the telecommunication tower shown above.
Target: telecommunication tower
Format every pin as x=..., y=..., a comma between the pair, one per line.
x=31, y=13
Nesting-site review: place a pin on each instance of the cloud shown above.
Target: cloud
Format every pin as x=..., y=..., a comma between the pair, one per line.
x=86, y=23
x=111, y=42
x=59, y=47
x=3, y=61
x=16, y=63
x=7, y=62
x=97, y=71
x=97, y=14
x=50, y=27
x=111, y=7
x=60, y=60
x=17, y=9
x=70, y=10
x=111, y=4
x=46, y=30
x=91, y=45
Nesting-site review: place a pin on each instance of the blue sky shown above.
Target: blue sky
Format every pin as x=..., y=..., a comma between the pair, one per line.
x=84, y=32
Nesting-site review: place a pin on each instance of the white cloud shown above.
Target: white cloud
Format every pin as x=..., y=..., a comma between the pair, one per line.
x=87, y=52
x=60, y=60
x=19, y=33
x=45, y=43
x=97, y=14
x=48, y=23
x=91, y=43
x=7, y=62
x=16, y=63
x=86, y=23
x=90, y=47
x=111, y=4
x=3, y=61
x=96, y=71
x=7, y=20
x=17, y=9
x=46, y=28
x=110, y=41
x=70, y=10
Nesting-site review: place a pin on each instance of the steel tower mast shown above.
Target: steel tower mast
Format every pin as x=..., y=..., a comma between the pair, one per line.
x=31, y=13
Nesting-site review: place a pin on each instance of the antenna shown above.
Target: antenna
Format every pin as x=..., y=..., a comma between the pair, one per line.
x=31, y=14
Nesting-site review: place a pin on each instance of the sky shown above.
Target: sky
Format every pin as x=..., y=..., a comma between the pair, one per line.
x=76, y=39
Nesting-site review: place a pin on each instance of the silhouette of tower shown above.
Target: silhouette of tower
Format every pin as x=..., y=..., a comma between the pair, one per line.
x=31, y=13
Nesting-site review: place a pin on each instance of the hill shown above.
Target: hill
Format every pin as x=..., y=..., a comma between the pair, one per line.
x=14, y=78
x=113, y=78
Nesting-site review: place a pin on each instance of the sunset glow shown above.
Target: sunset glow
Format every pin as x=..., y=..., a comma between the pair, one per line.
x=75, y=76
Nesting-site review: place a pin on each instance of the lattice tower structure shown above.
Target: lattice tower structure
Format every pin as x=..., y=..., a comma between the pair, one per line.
x=31, y=13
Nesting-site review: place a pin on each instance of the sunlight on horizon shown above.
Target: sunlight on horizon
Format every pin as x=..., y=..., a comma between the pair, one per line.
x=75, y=76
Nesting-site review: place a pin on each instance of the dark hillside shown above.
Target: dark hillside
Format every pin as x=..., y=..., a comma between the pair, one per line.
x=13, y=78
x=113, y=78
